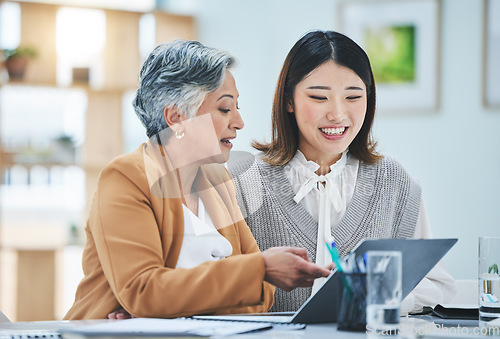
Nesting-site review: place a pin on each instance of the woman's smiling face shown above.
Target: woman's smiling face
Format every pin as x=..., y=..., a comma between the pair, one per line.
x=330, y=106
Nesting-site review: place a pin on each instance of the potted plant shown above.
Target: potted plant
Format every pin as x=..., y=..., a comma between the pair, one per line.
x=16, y=60
x=63, y=149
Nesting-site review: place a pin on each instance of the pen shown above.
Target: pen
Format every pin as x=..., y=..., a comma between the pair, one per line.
x=332, y=248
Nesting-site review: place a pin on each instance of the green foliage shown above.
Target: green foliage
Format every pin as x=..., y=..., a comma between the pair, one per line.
x=20, y=52
x=493, y=268
x=65, y=139
x=392, y=53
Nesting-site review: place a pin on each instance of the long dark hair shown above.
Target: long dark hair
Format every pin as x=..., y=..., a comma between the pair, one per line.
x=311, y=51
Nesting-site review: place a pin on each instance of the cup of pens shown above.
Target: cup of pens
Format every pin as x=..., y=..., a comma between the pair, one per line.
x=352, y=311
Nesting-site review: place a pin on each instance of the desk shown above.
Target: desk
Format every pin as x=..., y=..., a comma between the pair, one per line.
x=415, y=328
x=317, y=331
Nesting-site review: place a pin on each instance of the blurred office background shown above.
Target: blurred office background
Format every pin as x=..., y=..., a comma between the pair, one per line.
x=71, y=113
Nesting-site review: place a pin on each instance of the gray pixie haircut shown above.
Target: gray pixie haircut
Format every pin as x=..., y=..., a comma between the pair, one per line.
x=180, y=74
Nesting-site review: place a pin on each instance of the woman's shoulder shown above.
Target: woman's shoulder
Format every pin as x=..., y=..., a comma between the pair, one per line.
x=129, y=166
x=127, y=161
x=250, y=165
x=388, y=163
x=391, y=169
x=240, y=162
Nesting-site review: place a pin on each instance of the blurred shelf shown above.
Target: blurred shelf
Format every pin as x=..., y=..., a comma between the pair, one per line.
x=37, y=237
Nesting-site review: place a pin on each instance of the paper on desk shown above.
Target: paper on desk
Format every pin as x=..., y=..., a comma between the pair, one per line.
x=166, y=327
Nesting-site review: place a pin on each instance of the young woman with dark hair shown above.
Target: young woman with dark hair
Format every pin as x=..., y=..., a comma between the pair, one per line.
x=320, y=175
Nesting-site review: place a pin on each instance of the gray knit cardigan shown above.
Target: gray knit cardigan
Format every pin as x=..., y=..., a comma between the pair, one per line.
x=385, y=204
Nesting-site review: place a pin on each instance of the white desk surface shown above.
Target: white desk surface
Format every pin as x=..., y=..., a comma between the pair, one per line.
x=414, y=328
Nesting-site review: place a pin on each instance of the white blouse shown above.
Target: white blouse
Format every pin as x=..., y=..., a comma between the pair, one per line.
x=327, y=197
x=202, y=242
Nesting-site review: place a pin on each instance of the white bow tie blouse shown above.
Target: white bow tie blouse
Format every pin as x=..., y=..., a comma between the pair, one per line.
x=327, y=197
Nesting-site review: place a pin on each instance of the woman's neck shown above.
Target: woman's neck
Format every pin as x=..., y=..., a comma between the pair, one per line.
x=186, y=177
x=323, y=170
x=186, y=174
x=324, y=161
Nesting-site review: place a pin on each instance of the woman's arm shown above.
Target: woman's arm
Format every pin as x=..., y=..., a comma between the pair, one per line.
x=136, y=234
x=133, y=246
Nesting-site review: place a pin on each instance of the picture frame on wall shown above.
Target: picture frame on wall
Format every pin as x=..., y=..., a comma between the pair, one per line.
x=491, y=84
x=402, y=40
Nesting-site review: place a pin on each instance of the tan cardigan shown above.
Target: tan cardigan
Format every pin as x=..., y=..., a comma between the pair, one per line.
x=133, y=242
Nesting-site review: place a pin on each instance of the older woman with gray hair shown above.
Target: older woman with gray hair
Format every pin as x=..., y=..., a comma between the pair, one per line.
x=165, y=236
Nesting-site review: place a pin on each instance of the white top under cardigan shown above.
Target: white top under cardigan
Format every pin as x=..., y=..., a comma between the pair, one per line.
x=202, y=242
x=327, y=198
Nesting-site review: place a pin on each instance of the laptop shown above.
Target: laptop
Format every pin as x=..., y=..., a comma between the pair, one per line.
x=419, y=257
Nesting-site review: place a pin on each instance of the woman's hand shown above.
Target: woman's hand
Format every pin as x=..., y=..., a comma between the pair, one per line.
x=289, y=267
x=120, y=314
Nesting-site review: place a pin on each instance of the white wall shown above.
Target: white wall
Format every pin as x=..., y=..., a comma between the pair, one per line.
x=453, y=152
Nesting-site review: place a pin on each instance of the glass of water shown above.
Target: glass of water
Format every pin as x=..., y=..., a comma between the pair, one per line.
x=384, y=290
x=489, y=279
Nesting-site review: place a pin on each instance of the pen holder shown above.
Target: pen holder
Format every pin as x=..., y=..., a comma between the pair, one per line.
x=352, y=312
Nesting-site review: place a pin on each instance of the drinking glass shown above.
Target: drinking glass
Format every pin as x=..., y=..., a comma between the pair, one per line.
x=489, y=280
x=384, y=289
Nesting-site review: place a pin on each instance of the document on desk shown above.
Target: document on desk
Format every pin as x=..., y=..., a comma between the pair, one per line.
x=151, y=327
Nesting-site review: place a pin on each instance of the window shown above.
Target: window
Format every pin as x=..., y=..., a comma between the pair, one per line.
x=10, y=25
x=80, y=40
x=43, y=187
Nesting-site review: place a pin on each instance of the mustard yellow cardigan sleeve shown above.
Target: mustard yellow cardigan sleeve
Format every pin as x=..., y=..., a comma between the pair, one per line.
x=133, y=242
